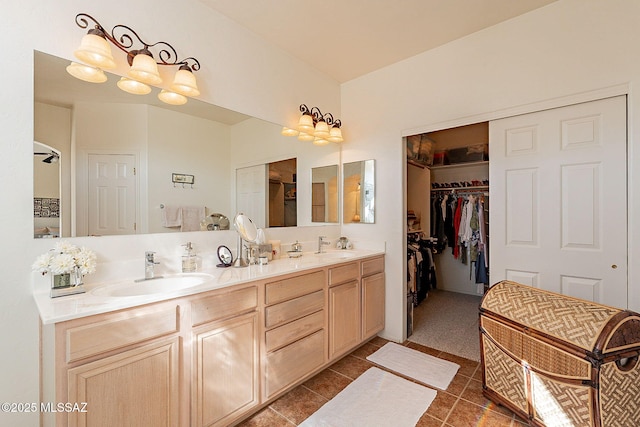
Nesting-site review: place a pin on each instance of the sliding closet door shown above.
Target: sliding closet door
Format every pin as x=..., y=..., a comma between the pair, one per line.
x=558, y=200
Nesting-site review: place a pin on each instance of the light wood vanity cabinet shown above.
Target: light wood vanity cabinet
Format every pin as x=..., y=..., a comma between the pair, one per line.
x=214, y=358
x=356, y=304
x=344, y=309
x=225, y=374
x=295, y=337
x=124, y=365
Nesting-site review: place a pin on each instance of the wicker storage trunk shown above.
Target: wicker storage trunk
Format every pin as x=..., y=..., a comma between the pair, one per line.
x=560, y=361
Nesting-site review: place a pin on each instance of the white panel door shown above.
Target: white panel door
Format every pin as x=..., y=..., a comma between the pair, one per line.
x=112, y=196
x=558, y=200
x=251, y=193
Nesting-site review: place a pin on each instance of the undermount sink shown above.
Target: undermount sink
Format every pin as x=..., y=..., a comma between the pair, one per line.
x=154, y=286
x=339, y=254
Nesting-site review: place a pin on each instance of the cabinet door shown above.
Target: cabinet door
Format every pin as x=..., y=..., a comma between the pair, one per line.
x=372, y=305
x=344, y=318
x=138, y=387
x=226, y=370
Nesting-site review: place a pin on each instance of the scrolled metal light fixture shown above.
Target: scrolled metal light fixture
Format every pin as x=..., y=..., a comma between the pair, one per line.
x=315, y=126
x=95, y=54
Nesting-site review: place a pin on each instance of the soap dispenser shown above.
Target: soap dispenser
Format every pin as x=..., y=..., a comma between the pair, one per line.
x=189, y=259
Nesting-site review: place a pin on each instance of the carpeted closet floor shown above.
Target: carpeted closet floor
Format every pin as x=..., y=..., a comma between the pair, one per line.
x=448, y=321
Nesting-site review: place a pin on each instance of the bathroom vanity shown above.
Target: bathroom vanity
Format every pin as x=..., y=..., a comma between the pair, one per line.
x=213, y=354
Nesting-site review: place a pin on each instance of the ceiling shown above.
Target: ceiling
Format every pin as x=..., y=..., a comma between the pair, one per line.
x=346, y=39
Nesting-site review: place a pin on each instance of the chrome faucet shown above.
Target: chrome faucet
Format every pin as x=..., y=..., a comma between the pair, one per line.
x=321, y=243
x=149, y=264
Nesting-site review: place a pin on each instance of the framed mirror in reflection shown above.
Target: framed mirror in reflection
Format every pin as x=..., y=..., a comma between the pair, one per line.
x=121, y=150
x=324, y=194
x=358, y=191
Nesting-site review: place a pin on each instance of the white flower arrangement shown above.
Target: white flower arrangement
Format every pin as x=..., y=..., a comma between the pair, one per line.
x=65, y=258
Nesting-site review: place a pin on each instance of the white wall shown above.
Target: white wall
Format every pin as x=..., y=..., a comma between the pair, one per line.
x=568, y=47
x=179, y=143
x=239, y=72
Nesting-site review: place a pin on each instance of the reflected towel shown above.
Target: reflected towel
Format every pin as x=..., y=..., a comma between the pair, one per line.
x=171, y=216
x=191, y=217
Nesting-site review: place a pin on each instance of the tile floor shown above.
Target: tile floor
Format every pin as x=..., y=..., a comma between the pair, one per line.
x=461, y=405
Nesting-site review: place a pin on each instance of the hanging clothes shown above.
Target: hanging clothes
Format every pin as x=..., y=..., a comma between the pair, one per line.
x=456, y=227
x=449, y=231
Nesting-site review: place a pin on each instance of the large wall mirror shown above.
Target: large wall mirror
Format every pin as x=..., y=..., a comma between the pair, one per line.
x=358, y=190
x=324, y=194
x=152, y=157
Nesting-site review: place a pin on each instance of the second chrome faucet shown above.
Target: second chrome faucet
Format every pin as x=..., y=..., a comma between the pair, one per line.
x=321, y=243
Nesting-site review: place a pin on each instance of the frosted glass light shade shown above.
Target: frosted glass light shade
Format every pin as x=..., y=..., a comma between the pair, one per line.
x=320, y=141
x=335, y=135
x=172, y=98
x=306, y=124
x=95, y=50
x=133, y=86
x=289, y=132
x=86, y=73
x=305, y=137
x=144, y=69
x=184, y=83
x=321, y=130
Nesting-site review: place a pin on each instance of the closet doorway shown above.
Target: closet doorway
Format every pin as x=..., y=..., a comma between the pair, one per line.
x=447, y=236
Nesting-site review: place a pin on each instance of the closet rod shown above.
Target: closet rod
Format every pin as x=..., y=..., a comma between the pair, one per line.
x=458, y=189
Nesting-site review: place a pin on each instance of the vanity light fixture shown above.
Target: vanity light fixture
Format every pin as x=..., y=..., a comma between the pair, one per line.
x=95, y=54
x=315, y=126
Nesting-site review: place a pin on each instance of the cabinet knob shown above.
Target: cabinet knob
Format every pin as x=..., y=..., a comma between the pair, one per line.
x=614, y=266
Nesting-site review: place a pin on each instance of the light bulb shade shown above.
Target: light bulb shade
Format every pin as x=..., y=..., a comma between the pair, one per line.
x=335, y=135
x=321, y=130
x=95, y=50
x=184, y=83
x=289, y=132
x=172, y=98
x=306, y=124
x=133, y=86
x=144, y=69
x=305, y=137
x=320, y=141
x=86, y=73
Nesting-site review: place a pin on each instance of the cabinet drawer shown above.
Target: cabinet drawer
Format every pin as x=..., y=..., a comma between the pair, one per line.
x=285, y=334
x=344, y=273
x=293, y=287
x=120, y=330
x=293, y=362
x=372, y=266
x=223, y=305
x=293, y=309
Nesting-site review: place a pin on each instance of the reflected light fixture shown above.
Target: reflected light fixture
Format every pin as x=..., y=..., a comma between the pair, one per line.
x=315, y=126
x=95, y=54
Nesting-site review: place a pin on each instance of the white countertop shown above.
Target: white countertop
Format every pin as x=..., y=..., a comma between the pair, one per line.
x=53, y=310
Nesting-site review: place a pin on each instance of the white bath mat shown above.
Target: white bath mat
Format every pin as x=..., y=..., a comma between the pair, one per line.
x=414, y=364
x=375, y=398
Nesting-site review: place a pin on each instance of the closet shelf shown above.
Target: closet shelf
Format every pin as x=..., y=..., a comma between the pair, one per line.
x=460, y=165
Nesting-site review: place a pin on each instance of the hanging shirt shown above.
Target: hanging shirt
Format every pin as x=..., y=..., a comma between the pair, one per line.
x=456, y=227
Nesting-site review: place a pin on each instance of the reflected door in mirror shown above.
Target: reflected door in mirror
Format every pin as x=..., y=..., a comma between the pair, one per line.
x=324, y=194
x=111, y=195
x=251, y=193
